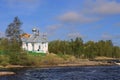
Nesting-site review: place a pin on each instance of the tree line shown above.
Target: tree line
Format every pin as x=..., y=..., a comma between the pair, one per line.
x=80, y=49
x=76, y=47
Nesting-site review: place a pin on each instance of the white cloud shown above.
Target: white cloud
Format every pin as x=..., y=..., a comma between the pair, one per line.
x=115, y=38
x=110, y=37
x=74, y=35
x=103, y=7
x=23, y=3
x=22, y=6
x=106, y=36
x=91, y=11
x=51, y=29
x=74, y=17
x=2, y=34
x=69, y=17
x=117, y=24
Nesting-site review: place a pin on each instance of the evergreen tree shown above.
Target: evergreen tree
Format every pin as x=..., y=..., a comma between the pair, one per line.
x=13, y=30
x=90, y=49
x=13, y=33
x=78, y=47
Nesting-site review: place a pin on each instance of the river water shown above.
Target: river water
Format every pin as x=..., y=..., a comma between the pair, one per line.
x=67, y=73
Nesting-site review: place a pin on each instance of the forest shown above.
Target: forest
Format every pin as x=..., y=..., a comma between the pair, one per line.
x=90, y=49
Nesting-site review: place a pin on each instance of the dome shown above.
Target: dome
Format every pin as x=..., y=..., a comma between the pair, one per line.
x=34, y=30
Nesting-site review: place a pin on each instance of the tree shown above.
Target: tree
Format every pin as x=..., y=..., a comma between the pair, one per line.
x=108, y=48
x=13, y=30
x=4, y=45
x=90, y=49
x=78, y=45
x=116, y=52
x=13, y=33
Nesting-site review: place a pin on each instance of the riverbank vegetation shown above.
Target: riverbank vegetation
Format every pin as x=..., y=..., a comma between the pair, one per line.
x=60, y=51
x=88, y=50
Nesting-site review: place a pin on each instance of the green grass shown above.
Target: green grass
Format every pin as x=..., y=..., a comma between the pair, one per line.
x=36, y=54
x=29, y=52
x=3, y=52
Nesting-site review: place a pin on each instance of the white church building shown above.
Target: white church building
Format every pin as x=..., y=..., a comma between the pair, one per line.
x=36, y=42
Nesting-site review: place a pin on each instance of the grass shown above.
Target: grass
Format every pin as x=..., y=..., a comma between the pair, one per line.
x=36, y=54
x=36, y=59
x=40, y=60
x=103, y=58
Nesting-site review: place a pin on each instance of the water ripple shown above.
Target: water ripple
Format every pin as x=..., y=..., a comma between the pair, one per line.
x=68, y=73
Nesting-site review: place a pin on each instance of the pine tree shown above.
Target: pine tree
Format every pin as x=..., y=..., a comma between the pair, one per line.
x=13, y=33
x=13, y=30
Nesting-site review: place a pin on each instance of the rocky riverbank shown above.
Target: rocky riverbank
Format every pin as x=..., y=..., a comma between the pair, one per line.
x=78, y=63
x=67, y=64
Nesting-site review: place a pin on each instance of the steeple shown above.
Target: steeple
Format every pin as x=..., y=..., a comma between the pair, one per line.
x=35, y=31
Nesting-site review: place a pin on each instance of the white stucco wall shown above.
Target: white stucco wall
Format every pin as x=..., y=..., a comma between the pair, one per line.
x=24, y=45
x=46, y=47
x=43, y=47
x=30, y=48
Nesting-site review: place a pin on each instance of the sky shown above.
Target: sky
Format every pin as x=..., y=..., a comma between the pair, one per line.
x=65, y=19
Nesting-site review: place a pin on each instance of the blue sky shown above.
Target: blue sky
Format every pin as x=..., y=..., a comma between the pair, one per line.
x=64, y=19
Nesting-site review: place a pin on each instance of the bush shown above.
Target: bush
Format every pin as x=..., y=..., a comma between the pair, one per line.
x=30, y=60
x=4, y=60
x=67, y=58
x=23, y=59
x=52, y=59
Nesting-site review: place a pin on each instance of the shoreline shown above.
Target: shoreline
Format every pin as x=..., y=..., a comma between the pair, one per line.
x=84, y=64
x=8, y=69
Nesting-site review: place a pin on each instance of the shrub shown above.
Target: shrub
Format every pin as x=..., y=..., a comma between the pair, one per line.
x=4, y=60
x=52, y=59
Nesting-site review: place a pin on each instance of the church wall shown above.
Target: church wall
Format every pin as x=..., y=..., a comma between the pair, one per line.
x=24, y=46
x=30, y=48
x=38, y=47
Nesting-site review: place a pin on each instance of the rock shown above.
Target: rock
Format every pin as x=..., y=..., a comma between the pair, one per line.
x=6, y=73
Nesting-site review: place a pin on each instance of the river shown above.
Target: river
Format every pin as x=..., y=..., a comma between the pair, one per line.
x=67, y=73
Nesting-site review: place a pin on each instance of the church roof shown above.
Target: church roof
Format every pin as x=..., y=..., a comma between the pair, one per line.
x=35, y=37
x=25, y=35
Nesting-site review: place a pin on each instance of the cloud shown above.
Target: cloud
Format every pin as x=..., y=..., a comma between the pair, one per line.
x=116, y=43
x=117, y=24
x=2, y=34
x=74, y=35
x=103, y=7
x=22, y=3
x=92, y=11
x=110, y=37
x=22, y=6
x=74, y=17
x=51, y=29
